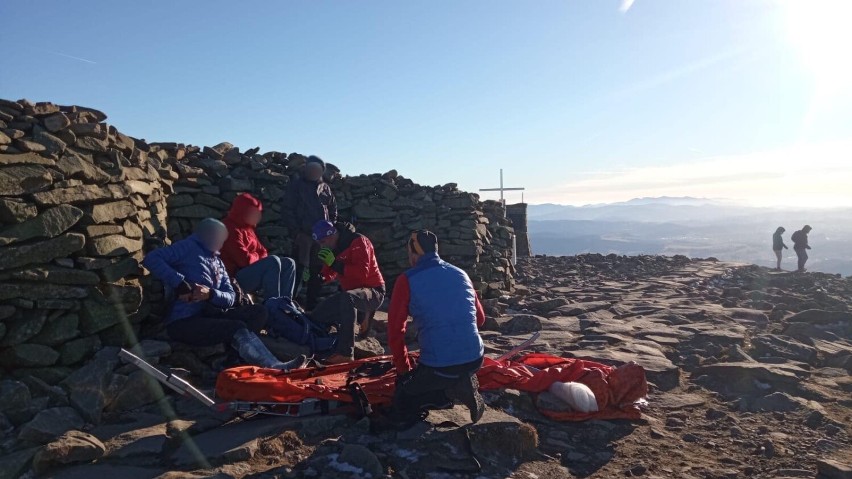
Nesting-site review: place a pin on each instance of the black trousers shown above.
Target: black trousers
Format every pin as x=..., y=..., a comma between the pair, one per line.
x=424, y=387
x=341, y=311
x=217, y=328
x=305, y=251
x=802, y=253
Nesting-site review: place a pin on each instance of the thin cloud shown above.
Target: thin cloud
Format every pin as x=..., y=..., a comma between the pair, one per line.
x=625, y=5
x=69, y=56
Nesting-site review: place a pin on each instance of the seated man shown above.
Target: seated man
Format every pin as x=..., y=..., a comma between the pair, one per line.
x=447, y=313
x=247, y=260
x=349, y=257
x=203, y=313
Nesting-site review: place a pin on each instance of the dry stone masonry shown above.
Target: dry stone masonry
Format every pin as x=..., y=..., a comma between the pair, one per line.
x=81, y=203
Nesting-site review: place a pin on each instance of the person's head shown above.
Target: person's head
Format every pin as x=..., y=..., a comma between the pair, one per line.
x=314, y=168
x=212, y=233
x=780, y=229
x=325, y=234
x=421, y=242
x=246, y=209
x=807, y=229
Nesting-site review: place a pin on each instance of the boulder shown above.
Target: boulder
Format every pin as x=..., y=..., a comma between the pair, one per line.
x=13, y=395
x=15, y=465
x=49, y=224
x=109, y=212
x=42, y=252
x=28, y=355
x=818, y=316
x=361, y=458
x=49, y=424
x=81, y=194
x=74, y=351
x=831, y=469
x=368, y=348
x=23, y=328
x=57, y=121
x=113, y=245
x=523, y=323
x=73, y=165
x=70, y=448
x=88, y=387
x=24, y=179
x=25, y=159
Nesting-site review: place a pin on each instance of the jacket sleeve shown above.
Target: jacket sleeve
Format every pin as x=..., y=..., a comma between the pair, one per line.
x=261, y=251
x=328, y=274
x=236, y=249
x=397, y=322
x=357, y=262
x=161, y=263
x=290, y=207
x=223, y=295
x=480, y=312
x=332, y=206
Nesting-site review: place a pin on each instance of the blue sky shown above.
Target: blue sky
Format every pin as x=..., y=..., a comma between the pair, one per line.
x=579, y=101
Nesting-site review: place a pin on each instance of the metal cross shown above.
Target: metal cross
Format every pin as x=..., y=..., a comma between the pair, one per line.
x=502, y=189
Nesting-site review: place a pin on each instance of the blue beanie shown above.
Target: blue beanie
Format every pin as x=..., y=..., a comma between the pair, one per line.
x=322, y=229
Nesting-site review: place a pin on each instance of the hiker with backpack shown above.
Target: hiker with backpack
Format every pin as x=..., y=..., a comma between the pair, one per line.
x=348, y=257
x=205, y=312
x=800, y=246
x=778, y=245
x=447, y=314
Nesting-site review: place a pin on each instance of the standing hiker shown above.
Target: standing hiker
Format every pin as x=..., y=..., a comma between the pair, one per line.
x=245, y=257
x=447, y=314
x=778, y=245
x=203, y=313
x=800, y=246
x=348, y=257
x=309, y=199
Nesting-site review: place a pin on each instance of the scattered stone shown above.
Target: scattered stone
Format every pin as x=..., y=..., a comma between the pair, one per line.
x=362, y=458
x=49, y=424
x=70, y=448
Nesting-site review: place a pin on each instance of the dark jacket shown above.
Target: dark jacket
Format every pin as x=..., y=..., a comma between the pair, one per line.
x=306, y=203
x=778, y=241
x=445, y=309
x=242, y=247
x=355, y=264
x=189, y=260
x=800, y=240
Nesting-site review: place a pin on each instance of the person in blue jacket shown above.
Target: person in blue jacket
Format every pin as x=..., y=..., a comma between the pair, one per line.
x=447, y=314
x=203, y=313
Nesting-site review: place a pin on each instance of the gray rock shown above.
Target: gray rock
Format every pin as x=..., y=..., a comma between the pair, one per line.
x=747, y=377
x=58, y=331
x=15, y=211
x=73, y=165
x=49, y=424
x=368, y=348
x=28, y=355
x=25, y=159
x=523, y=323
x=831, y=469
x=70, y=448
x=14, y=465
x=58, y=275
x=49, y=224
x=76, y=350
x=818, y=316
x=88, y=387
x=139, y=389
x=114, y=245
x=24, y=179
x=784, y=347
x=582, y=308
x=777, y=401
x=57, y=121
x=45, y=251
x=23, y=328
x=233, y=442
x=81, y=194
x=359, y=456
x=548, y=305
x=109, y=212
x=108, y=471
x=13, y=395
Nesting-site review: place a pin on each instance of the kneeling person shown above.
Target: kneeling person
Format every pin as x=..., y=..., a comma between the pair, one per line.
x=203, y=313
x=447, y=314
x=349, y=257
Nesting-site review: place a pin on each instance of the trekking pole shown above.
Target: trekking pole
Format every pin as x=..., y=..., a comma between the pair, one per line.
x=517, y=349
x=176, y=383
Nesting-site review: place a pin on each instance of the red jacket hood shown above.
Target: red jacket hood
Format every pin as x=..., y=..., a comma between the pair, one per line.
x=241, y=207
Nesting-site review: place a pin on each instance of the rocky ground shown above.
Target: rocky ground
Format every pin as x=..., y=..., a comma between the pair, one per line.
x=750, y=373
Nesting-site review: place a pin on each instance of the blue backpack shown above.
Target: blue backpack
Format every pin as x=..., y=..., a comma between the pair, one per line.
x=287, y=321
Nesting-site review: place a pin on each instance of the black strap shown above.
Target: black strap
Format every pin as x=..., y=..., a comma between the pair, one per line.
x=359, y=399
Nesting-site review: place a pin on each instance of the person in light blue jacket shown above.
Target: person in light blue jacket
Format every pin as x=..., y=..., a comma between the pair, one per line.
x=204, y=312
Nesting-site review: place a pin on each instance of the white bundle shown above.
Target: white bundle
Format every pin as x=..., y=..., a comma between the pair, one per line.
x=576, y=395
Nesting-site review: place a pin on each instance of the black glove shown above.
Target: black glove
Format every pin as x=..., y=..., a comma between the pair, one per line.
x=183, y=288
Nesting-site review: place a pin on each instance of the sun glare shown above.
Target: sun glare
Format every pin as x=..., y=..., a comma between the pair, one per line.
x=821, y=33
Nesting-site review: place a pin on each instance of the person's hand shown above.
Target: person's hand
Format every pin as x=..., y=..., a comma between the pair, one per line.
x=184, y=291
x=306, y=275
x=326, y=255
x=808, y=247
x=200, y=293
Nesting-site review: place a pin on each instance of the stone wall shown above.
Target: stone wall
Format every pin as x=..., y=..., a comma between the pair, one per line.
x=80, y=204
x=517, y=214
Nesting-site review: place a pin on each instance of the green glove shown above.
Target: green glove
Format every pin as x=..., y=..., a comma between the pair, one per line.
x=306, y=275
x=326, y=255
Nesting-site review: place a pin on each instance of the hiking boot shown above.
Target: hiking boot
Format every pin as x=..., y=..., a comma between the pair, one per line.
x=467, y=392
x=338, y=358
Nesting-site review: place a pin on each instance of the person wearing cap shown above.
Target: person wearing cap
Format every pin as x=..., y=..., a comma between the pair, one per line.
x=800, y=246
x=203, y=313
x=447, y=314
x=308, y=199
x=245, y=257
x=349, y=257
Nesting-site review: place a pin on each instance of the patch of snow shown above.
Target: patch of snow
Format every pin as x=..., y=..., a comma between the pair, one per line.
x=345, y=467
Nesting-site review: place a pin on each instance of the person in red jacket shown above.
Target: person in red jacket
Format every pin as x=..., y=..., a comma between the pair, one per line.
x=247, y=260
x=349, y=257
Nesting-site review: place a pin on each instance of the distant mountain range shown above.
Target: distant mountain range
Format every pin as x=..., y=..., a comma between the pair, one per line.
x=696, y=227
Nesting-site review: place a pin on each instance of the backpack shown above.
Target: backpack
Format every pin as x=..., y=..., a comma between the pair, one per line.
x=797, y=237
x=286, y=320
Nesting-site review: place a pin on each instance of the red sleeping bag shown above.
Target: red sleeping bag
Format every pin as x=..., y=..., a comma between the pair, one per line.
x=616, y=389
